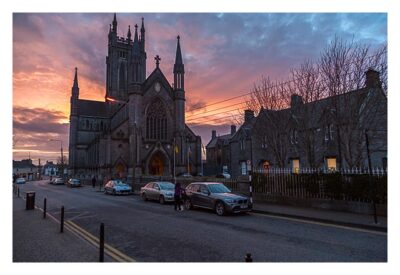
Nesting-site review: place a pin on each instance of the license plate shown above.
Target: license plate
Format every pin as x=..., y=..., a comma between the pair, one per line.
x=243, y=206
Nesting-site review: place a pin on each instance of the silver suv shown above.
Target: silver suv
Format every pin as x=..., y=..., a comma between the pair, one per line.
x=215, y=196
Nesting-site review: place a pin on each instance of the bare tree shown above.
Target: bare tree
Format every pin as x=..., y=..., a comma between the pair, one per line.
x=270, y=130
x=348, y=109
x=343, y=66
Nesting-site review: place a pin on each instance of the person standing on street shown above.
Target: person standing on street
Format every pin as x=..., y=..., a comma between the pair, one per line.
x=178, y=197
x=94, y=181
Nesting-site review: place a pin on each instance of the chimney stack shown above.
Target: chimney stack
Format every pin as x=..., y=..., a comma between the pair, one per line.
x=213, y=134
x=248, y=115
x=233, y=129
x=295, y=101
x=372, y=79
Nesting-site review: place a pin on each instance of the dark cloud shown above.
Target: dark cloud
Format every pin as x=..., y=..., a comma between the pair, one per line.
x=194, y=104
x=38, y=120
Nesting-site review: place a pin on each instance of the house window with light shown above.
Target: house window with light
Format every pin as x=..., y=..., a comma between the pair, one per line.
x=296, y=166
x=243, y=168
x=331, y=164
x=265, y=165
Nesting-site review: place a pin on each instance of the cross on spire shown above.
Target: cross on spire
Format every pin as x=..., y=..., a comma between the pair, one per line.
x=157, y=59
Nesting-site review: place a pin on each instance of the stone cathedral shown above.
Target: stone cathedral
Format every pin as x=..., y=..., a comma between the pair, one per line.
x=140, y=127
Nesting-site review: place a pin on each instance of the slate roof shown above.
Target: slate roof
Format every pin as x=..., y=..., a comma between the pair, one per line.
x=92, y=108
x=23, y=164
x=224, y=139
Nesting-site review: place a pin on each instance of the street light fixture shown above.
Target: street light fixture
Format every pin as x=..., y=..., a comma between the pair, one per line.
x=62, y=156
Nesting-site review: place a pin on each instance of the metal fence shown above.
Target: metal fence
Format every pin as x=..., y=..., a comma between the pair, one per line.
x=348, y=184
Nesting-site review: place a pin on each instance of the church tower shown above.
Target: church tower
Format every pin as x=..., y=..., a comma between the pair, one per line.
x=73, y=120
x=126, y=63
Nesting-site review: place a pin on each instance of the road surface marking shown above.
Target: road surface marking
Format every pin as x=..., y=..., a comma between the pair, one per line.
x=109, y=250
x=112, y=250
x=322, y=224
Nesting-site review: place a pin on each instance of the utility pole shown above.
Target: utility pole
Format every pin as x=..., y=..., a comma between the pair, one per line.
x=373, y=192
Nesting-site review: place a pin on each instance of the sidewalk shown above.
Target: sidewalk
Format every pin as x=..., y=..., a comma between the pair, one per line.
x=321, y=215
x=39, y=240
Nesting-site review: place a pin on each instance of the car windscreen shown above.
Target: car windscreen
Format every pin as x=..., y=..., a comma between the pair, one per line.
x=218, y=188
x=120, y=183
x=166, y=186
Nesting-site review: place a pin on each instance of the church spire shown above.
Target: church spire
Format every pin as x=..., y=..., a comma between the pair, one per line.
x=136, y=34
x=179, y=68
x=142, y=35
x=75, y=86
x=178, y=57
x=115, y=23
x=76, y=78
x=129, y=33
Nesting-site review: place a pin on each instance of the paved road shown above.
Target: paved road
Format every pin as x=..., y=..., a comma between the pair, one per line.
x=150, y=232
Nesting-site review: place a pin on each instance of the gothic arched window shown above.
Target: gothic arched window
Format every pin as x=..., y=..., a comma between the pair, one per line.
x=156, y=121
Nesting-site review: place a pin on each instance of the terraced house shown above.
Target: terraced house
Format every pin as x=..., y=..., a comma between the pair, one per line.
x=327, y=134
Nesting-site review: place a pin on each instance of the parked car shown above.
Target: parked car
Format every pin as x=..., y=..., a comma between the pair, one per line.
x=117, y=187
x=74, y=183
x=20, y=181
x=58, y=181
x=224, y=175
x=215, y=196
x=163, y=191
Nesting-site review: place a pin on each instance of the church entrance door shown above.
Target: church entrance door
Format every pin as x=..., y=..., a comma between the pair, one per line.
x=156, y=164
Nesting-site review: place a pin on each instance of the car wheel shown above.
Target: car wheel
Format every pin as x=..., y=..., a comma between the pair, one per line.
x=113, y=192
x=220, y=208
x=144, y=197
x=161, y=200
x=188, y=204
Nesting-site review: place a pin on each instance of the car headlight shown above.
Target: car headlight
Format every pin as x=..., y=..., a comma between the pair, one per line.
x=229, y=200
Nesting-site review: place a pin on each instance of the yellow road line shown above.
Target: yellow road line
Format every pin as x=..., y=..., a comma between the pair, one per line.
x=322, y=224
x=108, y=249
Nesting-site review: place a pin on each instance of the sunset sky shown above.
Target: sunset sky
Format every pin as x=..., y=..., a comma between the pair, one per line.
x=224, y=54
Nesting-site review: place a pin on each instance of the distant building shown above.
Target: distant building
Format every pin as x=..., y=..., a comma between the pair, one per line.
x=25, y=169
x=50, y=169
x=218, y=153
x=328, y=134
x=140, y=129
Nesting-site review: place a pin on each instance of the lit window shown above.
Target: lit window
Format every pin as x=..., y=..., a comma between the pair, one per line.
x=265, y=165
x=295, y=166
x=331, y=164
x=243, y=168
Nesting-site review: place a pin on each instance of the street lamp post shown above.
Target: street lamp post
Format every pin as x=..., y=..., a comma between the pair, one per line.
x=62, y=156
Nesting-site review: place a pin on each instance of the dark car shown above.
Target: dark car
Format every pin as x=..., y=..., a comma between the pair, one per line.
x=215, y=196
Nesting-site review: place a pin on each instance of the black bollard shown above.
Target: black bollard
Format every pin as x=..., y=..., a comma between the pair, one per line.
x=44, y=208
x=62, y=220
x=248, y=258
x=18, y=192
x=101, y=256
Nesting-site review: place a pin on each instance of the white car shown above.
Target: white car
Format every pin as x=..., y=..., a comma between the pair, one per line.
x=117, y=187
x=20, y=181
x=58, y=181
x=162, y=191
